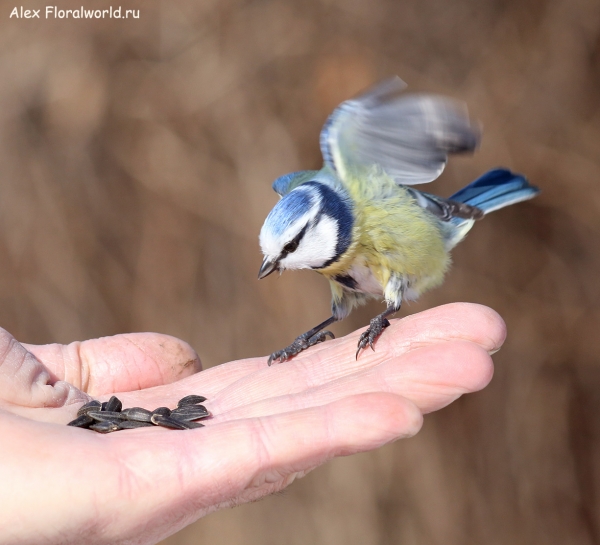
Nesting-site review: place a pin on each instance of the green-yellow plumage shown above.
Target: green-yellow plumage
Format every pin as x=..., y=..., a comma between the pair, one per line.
x=391, y=236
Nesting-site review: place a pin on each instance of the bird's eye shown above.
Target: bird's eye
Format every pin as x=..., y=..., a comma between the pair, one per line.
x=290, y=247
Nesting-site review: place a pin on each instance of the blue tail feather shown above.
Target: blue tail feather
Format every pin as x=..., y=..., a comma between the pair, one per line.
x=496, y=189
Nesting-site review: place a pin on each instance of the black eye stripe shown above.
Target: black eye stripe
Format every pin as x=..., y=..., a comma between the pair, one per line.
x=293, y=244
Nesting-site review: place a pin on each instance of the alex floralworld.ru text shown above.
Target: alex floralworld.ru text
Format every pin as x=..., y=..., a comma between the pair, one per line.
x=53, y=12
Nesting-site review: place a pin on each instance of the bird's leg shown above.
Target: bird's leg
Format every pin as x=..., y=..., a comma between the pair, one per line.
x=376, y=327
x=304, y=341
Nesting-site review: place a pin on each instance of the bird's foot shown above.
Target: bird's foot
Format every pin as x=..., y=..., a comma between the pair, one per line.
x=378, y=324
x=300, y=344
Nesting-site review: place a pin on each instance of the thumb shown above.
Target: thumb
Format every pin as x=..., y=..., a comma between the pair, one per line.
x=121, y=363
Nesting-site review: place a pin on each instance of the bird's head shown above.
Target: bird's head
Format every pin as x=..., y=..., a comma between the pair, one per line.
x=309, y=228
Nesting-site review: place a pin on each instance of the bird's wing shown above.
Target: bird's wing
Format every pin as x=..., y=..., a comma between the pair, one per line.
x=409, y=136
x=284, y=184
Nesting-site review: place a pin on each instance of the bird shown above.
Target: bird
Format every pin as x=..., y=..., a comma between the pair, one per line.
x=359, y=221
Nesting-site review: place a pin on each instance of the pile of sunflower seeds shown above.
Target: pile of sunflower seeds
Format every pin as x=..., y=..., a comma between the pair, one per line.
x=110, y=416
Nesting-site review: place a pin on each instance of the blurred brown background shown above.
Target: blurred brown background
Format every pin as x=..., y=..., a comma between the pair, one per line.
x=136, y=159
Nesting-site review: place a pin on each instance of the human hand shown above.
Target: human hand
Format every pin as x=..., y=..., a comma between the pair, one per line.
x=271, y=424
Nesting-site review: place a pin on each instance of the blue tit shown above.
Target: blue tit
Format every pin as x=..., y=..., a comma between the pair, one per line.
x=359, y=222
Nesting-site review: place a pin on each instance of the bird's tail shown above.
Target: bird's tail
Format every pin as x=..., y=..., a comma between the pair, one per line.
x=496, y=189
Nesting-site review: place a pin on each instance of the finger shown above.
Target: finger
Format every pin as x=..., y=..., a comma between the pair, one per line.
x=164, y=480
x=242, y=382
x=470, y=322
x=280, y=448
x=121, y=363
x=431, y=377
x=25, y=383
x=334, y=360
x=205, y=384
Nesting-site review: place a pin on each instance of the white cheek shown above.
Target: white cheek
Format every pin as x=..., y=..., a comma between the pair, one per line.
x=271, y=244
x=316, y=247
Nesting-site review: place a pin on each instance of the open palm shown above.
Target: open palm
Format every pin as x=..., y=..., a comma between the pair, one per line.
x=270, y=424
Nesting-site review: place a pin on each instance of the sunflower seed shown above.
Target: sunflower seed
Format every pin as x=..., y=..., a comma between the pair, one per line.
x=107, y=416
x=192, y=425
x=89, y=406
x=82, y=421
x=114, y=405
x=104, y=427
x=190, y=400
x=137, y=414
x=189, y=413
x=110, y=416
x=168, y=422
x=131, y=424
x=185, y=408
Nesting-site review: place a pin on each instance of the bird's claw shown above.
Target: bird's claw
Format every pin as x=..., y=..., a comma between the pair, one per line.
x=368, y=337
x=300, y=344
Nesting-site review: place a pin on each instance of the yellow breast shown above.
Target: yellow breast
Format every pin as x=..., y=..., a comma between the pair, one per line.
x=392, y=234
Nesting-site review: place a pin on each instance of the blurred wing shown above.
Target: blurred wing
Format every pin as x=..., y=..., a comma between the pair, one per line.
x=284, y=184
x=409, y=136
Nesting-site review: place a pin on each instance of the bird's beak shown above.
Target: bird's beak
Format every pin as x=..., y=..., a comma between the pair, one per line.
x=268, y=266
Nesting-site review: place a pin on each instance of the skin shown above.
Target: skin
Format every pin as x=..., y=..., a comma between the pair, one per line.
x=271, y=425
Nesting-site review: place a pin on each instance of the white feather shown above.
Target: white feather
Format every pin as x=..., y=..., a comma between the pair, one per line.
x=316, y=247
x=364, y=278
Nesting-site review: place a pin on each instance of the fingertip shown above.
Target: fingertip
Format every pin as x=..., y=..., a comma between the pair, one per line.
x=433, y=376
x=471, y=322
x=174, y=357
x=183, y=359
x=491, y=332
x=497, y=327
x=136, y=361
x=406, y=417
x=476, y=366
x=382, y=418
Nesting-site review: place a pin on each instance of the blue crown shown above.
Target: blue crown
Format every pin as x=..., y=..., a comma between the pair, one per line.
x=289, y=209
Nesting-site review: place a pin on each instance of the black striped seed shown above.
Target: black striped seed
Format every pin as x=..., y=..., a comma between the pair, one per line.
x=132, y=424
x=82, y=421
x=137, y=414
x=168, y=422
x=110, y=416
x=89, y=406
x=114, y=405
x=163, y=411
x=107, y=416
x=187, y=415
x=190, y=409
x=104, y=427
x=190, y=400
x=192, y=425
x=184, y=408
